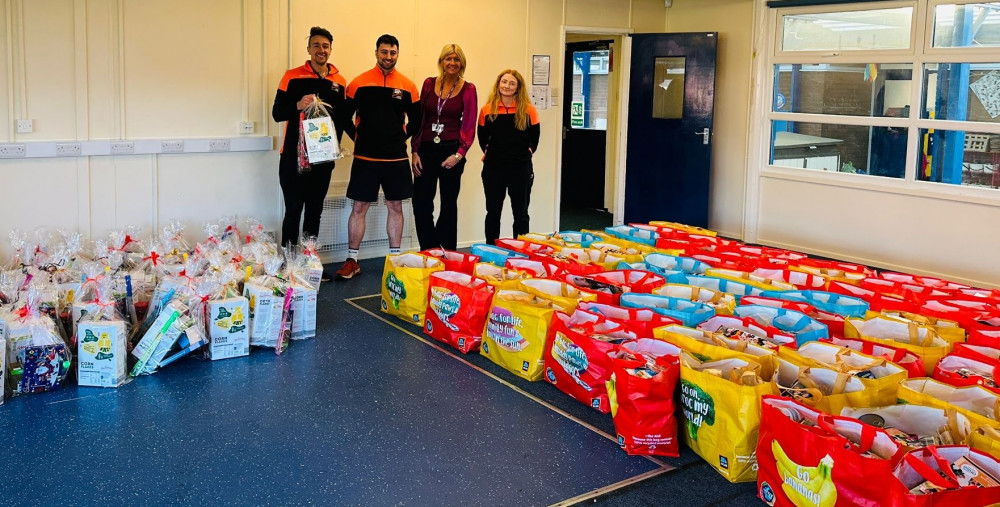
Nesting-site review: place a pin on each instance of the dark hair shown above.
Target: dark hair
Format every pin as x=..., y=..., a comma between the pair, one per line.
x=387, y=39
x=320, y=31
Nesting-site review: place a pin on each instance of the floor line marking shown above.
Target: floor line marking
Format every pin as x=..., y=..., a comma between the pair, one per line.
x=494, y=377
x=590, y=495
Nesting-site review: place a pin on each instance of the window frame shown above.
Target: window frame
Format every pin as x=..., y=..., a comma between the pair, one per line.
x=920, y=52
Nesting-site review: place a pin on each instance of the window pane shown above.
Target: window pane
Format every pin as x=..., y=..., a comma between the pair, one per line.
x=590, y=90
x=959, y=158
x=848, y=31
x=879, y=151
x=962, y=91
x=668, y=87
x=848, y=89
x=972, y=25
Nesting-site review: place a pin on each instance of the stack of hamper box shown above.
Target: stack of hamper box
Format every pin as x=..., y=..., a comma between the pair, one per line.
x=101, y=314
x=825, y=382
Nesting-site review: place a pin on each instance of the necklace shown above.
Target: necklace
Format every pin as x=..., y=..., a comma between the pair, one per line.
x=438, y=127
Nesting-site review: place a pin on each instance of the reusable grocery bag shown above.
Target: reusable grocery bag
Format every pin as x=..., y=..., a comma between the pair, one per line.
x=943, y=475
x=720, y=406
x=404, y=285
x=723, y=303
x=805, y=328
x=494, y=254
x=706, y=346
x=641, y=321
x=824, y=389
x=845, y=306
x=564, y=295
x=880, y=377
x=687, y=312
x=515, y=333
x=455, y=309
x=453, y=261
x=920, y=339
x=577, y=357
x=641, y=391
x=501, y=278
x=903, y=358
x=808, y=458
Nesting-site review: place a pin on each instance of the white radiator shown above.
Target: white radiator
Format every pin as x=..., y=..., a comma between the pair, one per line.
x=333, y=226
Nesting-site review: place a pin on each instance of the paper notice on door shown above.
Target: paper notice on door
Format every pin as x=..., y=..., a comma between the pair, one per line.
x=987, y=89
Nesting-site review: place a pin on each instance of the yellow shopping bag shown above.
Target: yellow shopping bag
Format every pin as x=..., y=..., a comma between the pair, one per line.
x=986, y=439
x=706, y=346
x=979, y=404
x=404, y=285
x=690, y=229
x=564, y=295
x=721, y=414
x=947, y=329
x=918, y=338
x=824, y=389
x=749, y=279
x=500, y=278
x=881, y=378
x=515, y=333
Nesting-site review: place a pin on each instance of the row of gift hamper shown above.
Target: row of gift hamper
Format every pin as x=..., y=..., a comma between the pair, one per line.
x=123, y=307
x=824, y=381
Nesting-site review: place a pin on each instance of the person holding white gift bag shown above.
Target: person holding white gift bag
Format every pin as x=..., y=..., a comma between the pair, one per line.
x=306, y=186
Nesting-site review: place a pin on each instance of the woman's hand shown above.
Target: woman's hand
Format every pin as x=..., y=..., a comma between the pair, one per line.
x=451, y=161
x=304, y=103
x=417, y=167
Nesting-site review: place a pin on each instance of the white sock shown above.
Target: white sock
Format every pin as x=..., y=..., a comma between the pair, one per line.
x=352, y=254
x=394, y=250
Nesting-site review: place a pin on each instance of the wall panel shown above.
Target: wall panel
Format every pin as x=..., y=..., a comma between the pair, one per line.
x=611, y=13
x=6, y=132
x=48, y=42
x=183, y=68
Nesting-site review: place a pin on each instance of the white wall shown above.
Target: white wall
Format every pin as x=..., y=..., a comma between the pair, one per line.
x=136, y=69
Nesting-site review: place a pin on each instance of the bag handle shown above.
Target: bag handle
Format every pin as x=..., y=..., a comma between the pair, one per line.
x=956, y=430
x=914, y=331
x=827, y=421
x=797, y=394
x=989, y=431
x=929, y=474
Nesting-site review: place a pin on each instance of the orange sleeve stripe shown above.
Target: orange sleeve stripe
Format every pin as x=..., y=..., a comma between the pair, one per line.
x=532, y=115
x=482, y=114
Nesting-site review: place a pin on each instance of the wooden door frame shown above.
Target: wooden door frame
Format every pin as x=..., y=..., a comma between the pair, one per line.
x=623, y=60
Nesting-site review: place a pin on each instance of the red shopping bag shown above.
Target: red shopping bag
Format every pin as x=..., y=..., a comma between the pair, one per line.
x=808, y=458
x=454, y=261
x=635, y=280
x=526, y=247
x=641, y=391
x=579, y=364
x=944, y=473
x=876, y=300
x=986, y=336
x=572, y=264
x=641, y=321
x=834, y=322
x=905, y=291
x=961, y=371
x=981, y=353
x=907, y=360
x=457, y=305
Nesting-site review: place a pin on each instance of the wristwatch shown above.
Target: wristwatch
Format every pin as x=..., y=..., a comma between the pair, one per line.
x=458, y=156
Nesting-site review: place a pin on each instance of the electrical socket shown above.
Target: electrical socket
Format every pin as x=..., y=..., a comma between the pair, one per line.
x=218, y=145
x=12, y=150
x=172, y=147
x=68, y=150
x=122, y=147
x=246, y=127
x=25, y=126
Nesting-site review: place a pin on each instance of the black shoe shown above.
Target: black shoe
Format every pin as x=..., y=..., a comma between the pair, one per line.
x=327, y=275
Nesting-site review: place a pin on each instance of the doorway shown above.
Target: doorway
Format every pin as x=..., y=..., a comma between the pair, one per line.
x=591, y=89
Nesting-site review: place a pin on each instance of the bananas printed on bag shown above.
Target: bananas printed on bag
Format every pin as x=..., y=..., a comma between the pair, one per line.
x=805, y=486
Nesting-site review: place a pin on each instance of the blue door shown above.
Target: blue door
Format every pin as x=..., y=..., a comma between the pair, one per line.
x=671, y=100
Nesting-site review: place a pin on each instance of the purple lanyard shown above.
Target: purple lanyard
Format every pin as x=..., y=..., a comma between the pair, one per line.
x=441, y=103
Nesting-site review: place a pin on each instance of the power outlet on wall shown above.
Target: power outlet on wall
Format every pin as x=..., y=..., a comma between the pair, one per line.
x=68, y=150
x=172, y=147
x=122, y=147
x=218, y=145
x=246, y=127
x=14, y=150
x=25, y=126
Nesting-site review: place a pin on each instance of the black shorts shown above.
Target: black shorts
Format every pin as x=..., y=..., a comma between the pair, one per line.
x=367, y=176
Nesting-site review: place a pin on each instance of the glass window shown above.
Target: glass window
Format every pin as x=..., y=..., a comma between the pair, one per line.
x=962, y=92
x=856, y=149
x=589, y=103
x=843, y=89
x=970, y=25
x=848, y=31
x=959, y=158
x=668, y=87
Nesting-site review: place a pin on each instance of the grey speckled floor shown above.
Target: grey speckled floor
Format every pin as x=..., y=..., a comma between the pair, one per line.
x=362, y=414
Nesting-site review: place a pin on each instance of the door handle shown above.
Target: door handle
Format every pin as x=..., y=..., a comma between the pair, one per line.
x=565, y=130
x=704, y=135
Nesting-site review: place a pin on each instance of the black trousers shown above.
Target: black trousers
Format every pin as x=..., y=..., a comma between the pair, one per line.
x=513, y=179
x=302, y=190
x=445, y=233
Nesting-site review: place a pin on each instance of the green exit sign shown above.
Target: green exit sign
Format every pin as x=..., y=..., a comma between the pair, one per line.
x=576, y=114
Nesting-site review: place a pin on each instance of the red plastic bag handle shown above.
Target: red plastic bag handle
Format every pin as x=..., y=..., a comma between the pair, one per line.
x=867, y=432
x=928, y=473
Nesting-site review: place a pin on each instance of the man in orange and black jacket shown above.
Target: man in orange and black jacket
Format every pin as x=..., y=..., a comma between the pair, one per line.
x=387, y=112
x=298, y=89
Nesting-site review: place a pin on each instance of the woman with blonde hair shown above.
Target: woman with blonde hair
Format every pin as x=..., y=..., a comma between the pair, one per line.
x=508, y=135
x=447, y=130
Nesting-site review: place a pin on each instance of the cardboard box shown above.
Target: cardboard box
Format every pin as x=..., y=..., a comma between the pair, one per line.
x=265, y=314
x=101, y=353
x=228, y=328
x=303, y=312
x=190, y=341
